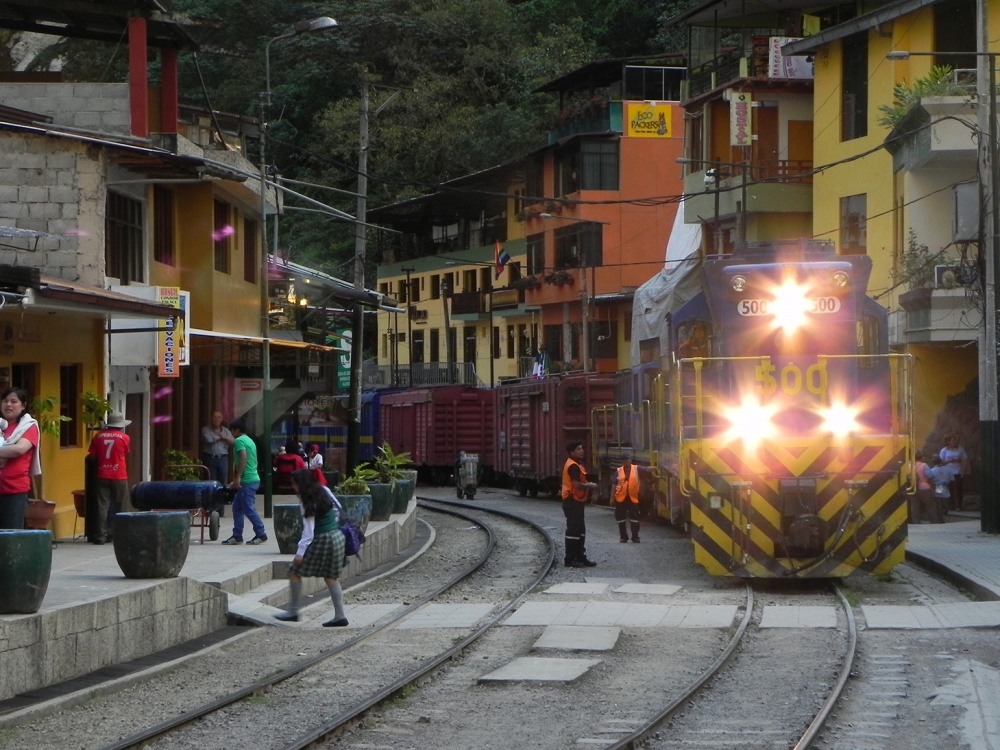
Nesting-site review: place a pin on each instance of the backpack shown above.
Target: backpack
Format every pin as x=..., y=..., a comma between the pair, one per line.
x=353, y=538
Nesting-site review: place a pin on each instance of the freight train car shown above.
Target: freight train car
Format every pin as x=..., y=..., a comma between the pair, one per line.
x=780, y=418
x=535, y=420
x=434, y=424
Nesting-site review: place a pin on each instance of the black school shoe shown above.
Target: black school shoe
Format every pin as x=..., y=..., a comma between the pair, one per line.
x=287, y=616
x=341, y=623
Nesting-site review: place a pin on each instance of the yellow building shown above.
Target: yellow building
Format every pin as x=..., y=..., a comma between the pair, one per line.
x=896, y=159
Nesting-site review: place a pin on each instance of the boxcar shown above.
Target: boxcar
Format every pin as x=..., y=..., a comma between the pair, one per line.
x=434, y=424
x=536, y=419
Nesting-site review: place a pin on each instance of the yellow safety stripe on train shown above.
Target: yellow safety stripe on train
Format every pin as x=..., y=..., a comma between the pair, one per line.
x=727, y=542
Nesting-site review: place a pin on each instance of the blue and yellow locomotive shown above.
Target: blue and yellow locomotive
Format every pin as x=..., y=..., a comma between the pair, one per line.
x=780, y=425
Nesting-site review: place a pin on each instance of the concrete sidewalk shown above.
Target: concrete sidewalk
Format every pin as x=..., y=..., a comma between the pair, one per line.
x=959, y=551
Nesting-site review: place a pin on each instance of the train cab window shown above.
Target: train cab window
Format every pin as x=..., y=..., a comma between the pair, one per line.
x=694, y=339
x=869, y=339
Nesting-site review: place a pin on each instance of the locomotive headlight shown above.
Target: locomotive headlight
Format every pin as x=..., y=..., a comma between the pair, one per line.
x=739, y=283
x=790, y=306
x=840, y=279
x=750, y=421
x=840, y=420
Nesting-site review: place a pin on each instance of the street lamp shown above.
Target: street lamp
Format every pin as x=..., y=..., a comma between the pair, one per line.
x=989, y=353
x=409, y=322
x=264, y=465
x=713, y=174
x=584, y=293
x=488, y=296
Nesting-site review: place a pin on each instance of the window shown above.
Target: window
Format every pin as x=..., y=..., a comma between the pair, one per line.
x=435, y=287
x=854, y=102
x=222, y=235
x=587, y=164
x=645, y=83
x=854, y=224
x=250, y=242
x=69, y=390
x=413, y=294
x=123, y=251
x=534, y=189
x=536, y=254
x=417, y=346
x=435, y=345
x=955, y=31
x=163, y=226
x=579, y=245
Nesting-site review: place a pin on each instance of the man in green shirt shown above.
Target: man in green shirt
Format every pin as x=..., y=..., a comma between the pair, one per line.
x=246, y=480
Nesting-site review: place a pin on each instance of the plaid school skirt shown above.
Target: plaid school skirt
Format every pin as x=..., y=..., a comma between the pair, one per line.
x=323, y=558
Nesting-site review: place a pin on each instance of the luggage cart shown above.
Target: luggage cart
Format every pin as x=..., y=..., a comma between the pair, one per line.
x=201, y=498
x=466, y=475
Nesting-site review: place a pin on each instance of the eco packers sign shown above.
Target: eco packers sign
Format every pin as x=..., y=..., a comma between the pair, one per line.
x=648, y=120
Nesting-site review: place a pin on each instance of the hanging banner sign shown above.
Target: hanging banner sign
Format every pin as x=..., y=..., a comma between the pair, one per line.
x=740, y=124
x=171, y=352
x=343, y=358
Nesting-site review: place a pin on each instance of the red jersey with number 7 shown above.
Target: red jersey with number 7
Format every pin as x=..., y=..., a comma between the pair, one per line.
x=110, y=448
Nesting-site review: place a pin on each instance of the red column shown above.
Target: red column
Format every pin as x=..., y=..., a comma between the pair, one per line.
x=168, y=91
x=138, y=91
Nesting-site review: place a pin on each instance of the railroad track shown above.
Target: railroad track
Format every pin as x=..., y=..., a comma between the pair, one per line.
x=706, y=703
x=348, y=687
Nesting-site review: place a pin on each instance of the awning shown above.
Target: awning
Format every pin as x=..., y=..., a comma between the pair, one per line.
x=289, y=343
x=56, y=295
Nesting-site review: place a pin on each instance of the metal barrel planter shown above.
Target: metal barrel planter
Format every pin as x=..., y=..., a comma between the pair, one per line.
x=25, y=566
x=288, y=527
x=151, y=544
x=402, y=490
x=357, y=509
x=382, y=501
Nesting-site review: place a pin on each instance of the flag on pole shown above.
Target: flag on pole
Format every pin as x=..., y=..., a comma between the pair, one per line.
x=502, y=258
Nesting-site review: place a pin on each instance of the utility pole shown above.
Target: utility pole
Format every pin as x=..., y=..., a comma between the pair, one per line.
x=358, y=328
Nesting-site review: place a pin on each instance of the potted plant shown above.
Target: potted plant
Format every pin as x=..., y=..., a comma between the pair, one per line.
x=44, y=410
x=355, y=496
x=390, y=467
x=93, y=409
x=185, y=470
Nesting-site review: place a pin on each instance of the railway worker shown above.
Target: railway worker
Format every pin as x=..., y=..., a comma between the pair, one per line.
x=575, y=489
x=246, y=480
x=626, y=497
x=320, y=553
x=110, y=449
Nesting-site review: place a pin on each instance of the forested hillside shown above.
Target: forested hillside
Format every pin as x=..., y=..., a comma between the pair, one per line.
x=466, y=70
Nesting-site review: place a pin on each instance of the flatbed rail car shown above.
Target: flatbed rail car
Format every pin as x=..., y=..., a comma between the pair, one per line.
x=535, y=420
x=788, y=426
x=434, y=424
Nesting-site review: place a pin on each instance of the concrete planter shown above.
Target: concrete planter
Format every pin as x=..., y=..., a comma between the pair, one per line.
x=25, y=565
x=288, y=527
x=382, y=501
x=402, y=491
x=357, y=508
x=152, y=545
x=411, y=474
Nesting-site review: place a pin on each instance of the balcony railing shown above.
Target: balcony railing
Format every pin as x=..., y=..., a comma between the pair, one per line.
x=424, y=373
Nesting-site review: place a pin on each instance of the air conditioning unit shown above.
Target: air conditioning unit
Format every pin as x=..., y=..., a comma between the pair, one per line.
x=947, y=277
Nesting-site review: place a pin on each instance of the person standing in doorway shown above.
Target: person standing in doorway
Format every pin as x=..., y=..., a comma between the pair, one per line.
x=110, y=448
x=18, y=457
x=216, y=440
x=956, y=461
x=575, y=488
x=626, y=495
x=246, y=480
